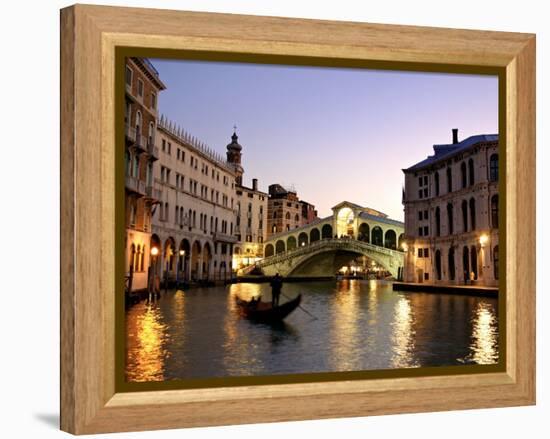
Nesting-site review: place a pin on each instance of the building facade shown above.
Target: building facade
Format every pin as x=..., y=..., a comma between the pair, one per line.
x=141, y=152
x=284, y=211
x=194, y=220
x=250, y=212
x=451, y=205
x=309, y=214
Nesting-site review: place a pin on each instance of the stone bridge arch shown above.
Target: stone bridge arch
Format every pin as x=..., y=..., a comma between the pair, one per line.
x=320, y=258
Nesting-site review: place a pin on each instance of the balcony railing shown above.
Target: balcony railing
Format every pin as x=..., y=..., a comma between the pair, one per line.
x=152, y=150
x=141, y=142
x=152, y=193
x=130, y=134
x=136, y=185
x=222, y=237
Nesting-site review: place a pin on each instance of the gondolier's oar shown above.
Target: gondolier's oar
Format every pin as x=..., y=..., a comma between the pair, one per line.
x=300, y=306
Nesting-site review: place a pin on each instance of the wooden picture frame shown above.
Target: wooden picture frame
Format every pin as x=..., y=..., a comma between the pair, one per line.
x=90, y=36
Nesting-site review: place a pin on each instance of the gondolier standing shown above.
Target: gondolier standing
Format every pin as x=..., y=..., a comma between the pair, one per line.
x=276, y=287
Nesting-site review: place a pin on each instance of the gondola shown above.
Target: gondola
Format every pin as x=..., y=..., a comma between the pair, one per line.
x=263, y=312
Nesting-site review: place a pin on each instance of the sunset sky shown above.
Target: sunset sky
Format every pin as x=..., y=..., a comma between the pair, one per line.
x=334, y=134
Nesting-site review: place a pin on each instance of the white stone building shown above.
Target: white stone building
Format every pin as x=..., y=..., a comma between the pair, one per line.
x=193, y=223
x=451, y=207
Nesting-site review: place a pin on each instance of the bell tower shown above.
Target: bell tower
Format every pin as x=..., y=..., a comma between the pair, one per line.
x=234, y=156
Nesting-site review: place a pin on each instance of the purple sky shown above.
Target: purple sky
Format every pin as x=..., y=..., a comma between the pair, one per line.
x=335, y=134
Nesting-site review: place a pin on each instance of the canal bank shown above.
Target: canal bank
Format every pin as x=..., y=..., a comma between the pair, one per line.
x=468, y=290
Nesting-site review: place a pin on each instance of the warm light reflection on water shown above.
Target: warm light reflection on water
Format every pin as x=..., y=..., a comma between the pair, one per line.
x=145, y=340
x=484, y=348
x=403, y=335
x=359, y=325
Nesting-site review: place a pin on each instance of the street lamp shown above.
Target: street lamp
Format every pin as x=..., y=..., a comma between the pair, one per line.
x=152, y=268
x=405, y=247
x=483, y=239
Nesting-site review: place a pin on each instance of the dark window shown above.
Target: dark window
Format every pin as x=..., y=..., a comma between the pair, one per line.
x=449, y=180
x=420, y=193
x=494, y=211
x=463, y=174
x=425, y=214
x=450, y=219
x=426, y=276
x=436, y=178
x=493, y=167
x=464, y=215
x=473, y=213
x=419, y=181
x=438, y=264
x=426, y=231
x=420, y=231
x=451, y=263
x=425, y=180
x=128, y=75
x=471, y=172
x=426, y=252
x=437, y=222
x=420, y=253
x=473, y=261
x=425, y=192
x=419, y=215
x=140, y=87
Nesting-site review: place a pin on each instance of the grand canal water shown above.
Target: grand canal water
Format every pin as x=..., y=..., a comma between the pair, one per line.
x=360, y=325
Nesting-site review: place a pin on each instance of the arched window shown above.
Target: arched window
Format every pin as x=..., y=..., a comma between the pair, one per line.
x=473, y=260
x=142, y=259
x=493, y=167
x=128, y=162
x=466, y=263
x=274, y=214
x=280, y=246
x=450, y=228
x=138, y=123
x=151, y=137
x=449, y=180
x=437, y=222
x=364, y=232
x=494, y=211
x=436, y=183
x=269, y=250
x=287, y=216
x=473, y=213
x=390, y=239
x=495, y=262
x=296, y=217
x=132, y=257
x=326, y=231
x=464, y=215
x=291, y=243
x=452, y=263
x=471, y=172
x=314, y=235
x=377, y=236
x=463, y=174
x=438, y=264
x=302, y=239
x=135, y=167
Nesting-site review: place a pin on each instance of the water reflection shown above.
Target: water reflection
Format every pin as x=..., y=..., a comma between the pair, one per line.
x=403, y=335
x=359, y=325
x=484, y=348
x=146, y=337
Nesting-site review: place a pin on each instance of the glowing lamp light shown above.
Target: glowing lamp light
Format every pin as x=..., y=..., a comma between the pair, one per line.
x=154, y=251
x=303, y=244
x=405, y=247
x=483, y=239
x=182, y=252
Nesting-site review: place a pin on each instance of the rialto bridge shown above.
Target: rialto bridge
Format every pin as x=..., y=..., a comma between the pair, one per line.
x=320, y=248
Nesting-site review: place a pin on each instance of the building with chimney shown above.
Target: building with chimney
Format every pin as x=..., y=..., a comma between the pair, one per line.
x=451, y=204
x=142, y=87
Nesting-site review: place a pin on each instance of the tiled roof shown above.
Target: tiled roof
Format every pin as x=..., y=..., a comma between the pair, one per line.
x=444, y=152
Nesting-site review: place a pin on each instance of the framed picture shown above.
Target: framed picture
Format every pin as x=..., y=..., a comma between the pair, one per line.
x=292, y=219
